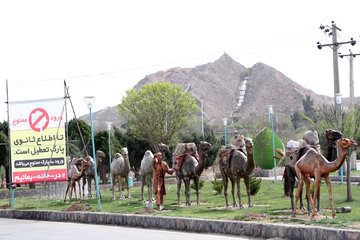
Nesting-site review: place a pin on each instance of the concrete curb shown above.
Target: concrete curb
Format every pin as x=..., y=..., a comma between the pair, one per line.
x=338, y=178
x=254, y=229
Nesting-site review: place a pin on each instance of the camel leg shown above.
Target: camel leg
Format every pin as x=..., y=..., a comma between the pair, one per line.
x=143, y=179
x=238, y=192
x=187, y=191
x=83, y=186
x=247, y=184
x=113, y=187
x=78, y=181
x=300, y=186
x=89, y=187
x=319, y=209
x=127, y=186
x=291, y=179
x=308, y=190
x=225, y=182
x=328, y=183
x=67, y=190
x=317, y=185
x=71, y=189
x=196, y=181
x=150, y=188
x=233, y=191
x=178, y=180
x=120, y=191
x=76, y=198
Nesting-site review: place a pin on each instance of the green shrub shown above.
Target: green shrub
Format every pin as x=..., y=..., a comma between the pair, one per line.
x=201, y=184
x=255, y=184
x=218, y=185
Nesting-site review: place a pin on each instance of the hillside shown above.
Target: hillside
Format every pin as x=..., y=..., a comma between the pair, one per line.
x=228, y=89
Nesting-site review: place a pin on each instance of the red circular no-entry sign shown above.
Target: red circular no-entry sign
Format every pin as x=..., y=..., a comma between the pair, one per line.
x=39, y=119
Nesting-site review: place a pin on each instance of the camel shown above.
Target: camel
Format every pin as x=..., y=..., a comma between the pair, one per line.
x=146, y=170
x=74, y=175
x=101, y=165
x=120, y=168
x=295, y=150
x=191, y=168
x=240, y=166
x=90, y=173
x=313, y=164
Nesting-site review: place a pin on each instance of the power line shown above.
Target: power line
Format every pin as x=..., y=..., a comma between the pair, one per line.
x=245, y=50
x=332, y=31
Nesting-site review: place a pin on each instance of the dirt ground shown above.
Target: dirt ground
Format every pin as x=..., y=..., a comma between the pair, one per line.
x=6, y=206
x=76, y=207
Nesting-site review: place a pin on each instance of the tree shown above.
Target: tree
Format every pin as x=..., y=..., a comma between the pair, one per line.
x=157, y=111
x=74, y=136
x=4, y=127
x=101, y=140
x=136, y=148
x=295, y=119
x=308, y=105
x=4, y=150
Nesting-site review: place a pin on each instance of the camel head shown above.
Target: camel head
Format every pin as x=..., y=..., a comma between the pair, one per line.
x=163, y=147
x=345, y=143
x=117, y=155
x=100, y=154
x=332, y=136
x=239, y=140
x=249, y=145
x=125, y=151
x=84, y=162
x=205, y=146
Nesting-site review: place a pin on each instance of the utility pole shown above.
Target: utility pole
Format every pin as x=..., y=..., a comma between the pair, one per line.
x=352, y=101
x=351, y=57
x=332, y=31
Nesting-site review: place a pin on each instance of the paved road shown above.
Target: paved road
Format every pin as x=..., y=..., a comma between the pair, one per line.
x=37, y=230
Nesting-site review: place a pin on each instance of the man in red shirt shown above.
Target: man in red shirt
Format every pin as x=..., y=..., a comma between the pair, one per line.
x=159, y=169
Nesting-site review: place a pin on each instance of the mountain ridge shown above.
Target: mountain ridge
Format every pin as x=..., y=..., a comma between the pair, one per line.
x=220, y=83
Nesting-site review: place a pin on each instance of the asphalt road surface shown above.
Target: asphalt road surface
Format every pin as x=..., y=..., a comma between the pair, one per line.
x=37, y=230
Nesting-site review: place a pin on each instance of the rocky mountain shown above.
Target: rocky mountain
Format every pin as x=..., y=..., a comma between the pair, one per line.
x=229, y=89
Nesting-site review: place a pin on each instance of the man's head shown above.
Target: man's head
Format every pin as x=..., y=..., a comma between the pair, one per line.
x=159, y=156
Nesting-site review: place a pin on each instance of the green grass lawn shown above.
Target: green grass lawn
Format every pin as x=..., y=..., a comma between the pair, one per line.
x=269, y=201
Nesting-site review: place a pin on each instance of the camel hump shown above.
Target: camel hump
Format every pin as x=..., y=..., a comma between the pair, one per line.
x=308, y=156
x=148, y=154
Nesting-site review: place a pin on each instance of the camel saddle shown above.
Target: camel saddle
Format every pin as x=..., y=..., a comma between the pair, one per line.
x=293, y=148
x=181, y=150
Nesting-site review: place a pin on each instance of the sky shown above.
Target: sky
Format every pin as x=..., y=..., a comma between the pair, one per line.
x=103, y=48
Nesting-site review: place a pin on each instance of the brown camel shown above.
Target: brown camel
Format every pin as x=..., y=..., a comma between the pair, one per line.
x=74, y=175
x=240, y=166
x=90, y=173
x=191, y=168
x=295, y=150
x=313, y=164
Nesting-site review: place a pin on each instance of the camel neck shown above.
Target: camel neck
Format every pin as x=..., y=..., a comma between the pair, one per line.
x=202, y=158
x=250, y=165
x=333, y=166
